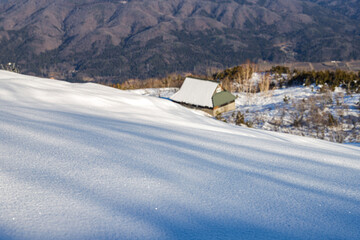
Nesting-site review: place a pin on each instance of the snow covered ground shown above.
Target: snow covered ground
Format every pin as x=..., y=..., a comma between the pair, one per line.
x=269, y=111
x=86, y=161
x=265, y=109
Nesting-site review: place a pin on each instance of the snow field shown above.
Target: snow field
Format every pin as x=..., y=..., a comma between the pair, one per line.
x=85, y=161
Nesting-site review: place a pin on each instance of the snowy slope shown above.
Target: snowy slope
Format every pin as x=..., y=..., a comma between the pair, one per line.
x=85, y=161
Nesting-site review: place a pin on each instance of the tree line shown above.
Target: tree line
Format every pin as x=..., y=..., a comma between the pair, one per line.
x=326, y=79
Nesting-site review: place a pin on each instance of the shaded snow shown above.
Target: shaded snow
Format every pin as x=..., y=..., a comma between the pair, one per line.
x=155, y=92
x=85, y=161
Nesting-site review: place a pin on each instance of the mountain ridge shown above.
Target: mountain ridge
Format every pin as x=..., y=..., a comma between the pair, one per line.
x=116, y=40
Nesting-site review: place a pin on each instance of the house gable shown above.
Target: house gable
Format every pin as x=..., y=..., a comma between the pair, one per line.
x=222, y=98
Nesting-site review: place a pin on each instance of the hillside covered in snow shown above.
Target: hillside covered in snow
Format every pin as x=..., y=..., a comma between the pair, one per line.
x=86, y=161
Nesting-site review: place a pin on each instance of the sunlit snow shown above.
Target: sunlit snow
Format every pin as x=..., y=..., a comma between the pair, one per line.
x=86, y=161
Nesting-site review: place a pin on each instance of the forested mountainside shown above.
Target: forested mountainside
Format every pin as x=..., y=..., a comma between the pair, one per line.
x=350, y=8
x=112, y=40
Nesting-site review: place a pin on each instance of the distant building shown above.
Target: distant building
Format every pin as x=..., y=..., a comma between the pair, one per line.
x=206, y=95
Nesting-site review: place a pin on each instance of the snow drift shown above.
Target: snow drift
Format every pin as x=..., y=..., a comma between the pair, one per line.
x=85, y=161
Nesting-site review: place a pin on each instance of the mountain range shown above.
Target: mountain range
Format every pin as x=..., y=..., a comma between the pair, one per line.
x=112, y=40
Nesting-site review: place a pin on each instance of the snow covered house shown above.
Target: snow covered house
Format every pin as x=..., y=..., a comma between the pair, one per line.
x=206, y=95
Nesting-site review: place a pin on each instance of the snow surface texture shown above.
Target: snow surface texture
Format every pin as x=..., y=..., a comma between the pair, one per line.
x=85, y=161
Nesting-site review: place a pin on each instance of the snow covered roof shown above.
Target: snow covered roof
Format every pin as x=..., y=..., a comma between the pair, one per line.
x=196, y=92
